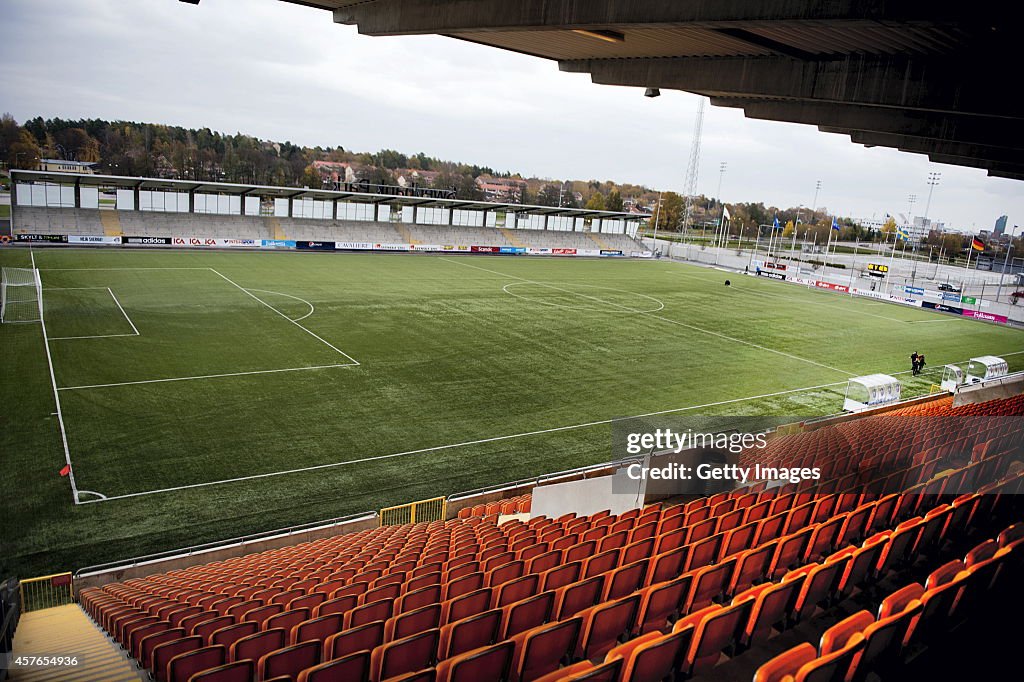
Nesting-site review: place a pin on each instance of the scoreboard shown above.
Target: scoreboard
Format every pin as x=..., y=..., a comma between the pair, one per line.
x=878, y=269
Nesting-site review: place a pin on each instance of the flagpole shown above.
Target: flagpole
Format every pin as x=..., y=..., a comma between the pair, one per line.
x=963, y=285
x=892, y=256
x=757, y=241
x=853, y=265
x=824, y=265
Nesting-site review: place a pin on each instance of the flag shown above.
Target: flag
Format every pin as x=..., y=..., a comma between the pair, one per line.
x=835, y=225
x=725, y=213
x=775, y=224
x=66, y=470
x=902, y=234
x=977, y=244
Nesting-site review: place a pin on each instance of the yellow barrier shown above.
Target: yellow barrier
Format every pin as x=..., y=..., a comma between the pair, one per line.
x=46, y=591
x=934, y=388
x=415, y=512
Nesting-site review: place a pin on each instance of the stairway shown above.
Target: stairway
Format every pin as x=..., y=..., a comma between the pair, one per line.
x=510, y=235
x=275, y=228
x=406, y=233
x=68, y=631
x=111, y=221
x=600, y=242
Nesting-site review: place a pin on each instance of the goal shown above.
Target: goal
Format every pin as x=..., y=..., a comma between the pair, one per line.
x=20, y=295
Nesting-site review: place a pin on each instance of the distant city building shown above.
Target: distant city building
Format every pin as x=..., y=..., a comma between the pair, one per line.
x=1000, y=226
x=62, y=166
x=872, y=223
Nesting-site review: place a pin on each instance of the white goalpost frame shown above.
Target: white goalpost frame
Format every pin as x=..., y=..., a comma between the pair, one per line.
x=8, y=282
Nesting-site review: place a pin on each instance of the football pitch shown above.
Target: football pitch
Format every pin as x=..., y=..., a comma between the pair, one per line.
x=204, y=395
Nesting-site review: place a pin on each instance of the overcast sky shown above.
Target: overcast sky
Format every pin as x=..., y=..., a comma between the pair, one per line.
x=285, y=72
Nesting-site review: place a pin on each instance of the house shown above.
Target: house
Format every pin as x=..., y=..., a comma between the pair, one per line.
x=501, y=189
x=63, y=166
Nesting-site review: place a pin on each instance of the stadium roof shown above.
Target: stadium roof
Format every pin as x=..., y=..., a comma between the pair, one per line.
x=236, y=189
x=931, y=77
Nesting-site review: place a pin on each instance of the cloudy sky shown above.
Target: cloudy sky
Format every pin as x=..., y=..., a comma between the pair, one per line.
x=285, y=72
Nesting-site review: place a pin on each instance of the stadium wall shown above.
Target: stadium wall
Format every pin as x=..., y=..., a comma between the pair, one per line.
x=79, y=226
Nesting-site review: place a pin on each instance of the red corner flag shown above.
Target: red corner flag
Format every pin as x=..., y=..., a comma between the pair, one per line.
x=66, y=470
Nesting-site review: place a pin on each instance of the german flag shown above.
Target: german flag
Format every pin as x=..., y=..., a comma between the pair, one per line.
x=977, y=244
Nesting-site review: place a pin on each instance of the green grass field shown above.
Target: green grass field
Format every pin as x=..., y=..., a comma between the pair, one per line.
x=329, y=384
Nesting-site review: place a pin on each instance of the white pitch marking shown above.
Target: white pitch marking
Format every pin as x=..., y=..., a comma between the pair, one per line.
x=205, y=376
x=135, y=331
x=94, y=336
x=480, y=441
x=311, y=333
x=101, y=496
x=775, y=296
x=484, y=440
x=126, y=268
x=301, y=300
x=663, y=319
x=53, y=383
x=118, y=303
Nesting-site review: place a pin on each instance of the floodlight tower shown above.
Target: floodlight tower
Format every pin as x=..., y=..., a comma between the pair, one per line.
x=933, y=180
x=690, y=184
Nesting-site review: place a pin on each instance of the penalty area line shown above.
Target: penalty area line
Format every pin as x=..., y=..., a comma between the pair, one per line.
x=308, y=331
x=481, y=441
x=436, y=448
x=205, y=376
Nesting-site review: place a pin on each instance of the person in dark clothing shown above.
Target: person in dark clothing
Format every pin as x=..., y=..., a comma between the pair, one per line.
x=920, y=362
x=915, y=367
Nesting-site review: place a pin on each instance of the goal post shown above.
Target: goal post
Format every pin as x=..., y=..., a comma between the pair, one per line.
x=21, y=294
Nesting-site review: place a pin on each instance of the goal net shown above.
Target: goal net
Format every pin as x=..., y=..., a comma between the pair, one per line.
x=20, y=295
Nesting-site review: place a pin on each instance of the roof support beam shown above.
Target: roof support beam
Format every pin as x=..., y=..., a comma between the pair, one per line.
x=942, y=85
x=405, y=17
x=943, y=127
x=919, y=145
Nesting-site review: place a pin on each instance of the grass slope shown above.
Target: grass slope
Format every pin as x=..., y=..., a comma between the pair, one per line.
x=451, y=350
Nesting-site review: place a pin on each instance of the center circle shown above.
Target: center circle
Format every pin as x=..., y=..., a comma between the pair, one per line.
x=589, y=299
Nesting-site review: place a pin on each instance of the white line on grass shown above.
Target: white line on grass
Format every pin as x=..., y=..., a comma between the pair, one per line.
x=301, y=300
x=779, y=296
x=135, y=331
x=311, y=333
x=118, y=303
x=659, y=317
x=94, y=336
x=53, y=382
x=438, y=448
x=205, y=376
x=126, y=268
x=775, y=295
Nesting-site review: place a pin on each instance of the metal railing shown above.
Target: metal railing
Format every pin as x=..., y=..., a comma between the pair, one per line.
x=46, y=591
x=10, y=612
x=415, y=512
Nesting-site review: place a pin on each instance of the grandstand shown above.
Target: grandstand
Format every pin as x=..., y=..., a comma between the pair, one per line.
x=148, y=211
x=904, y=545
